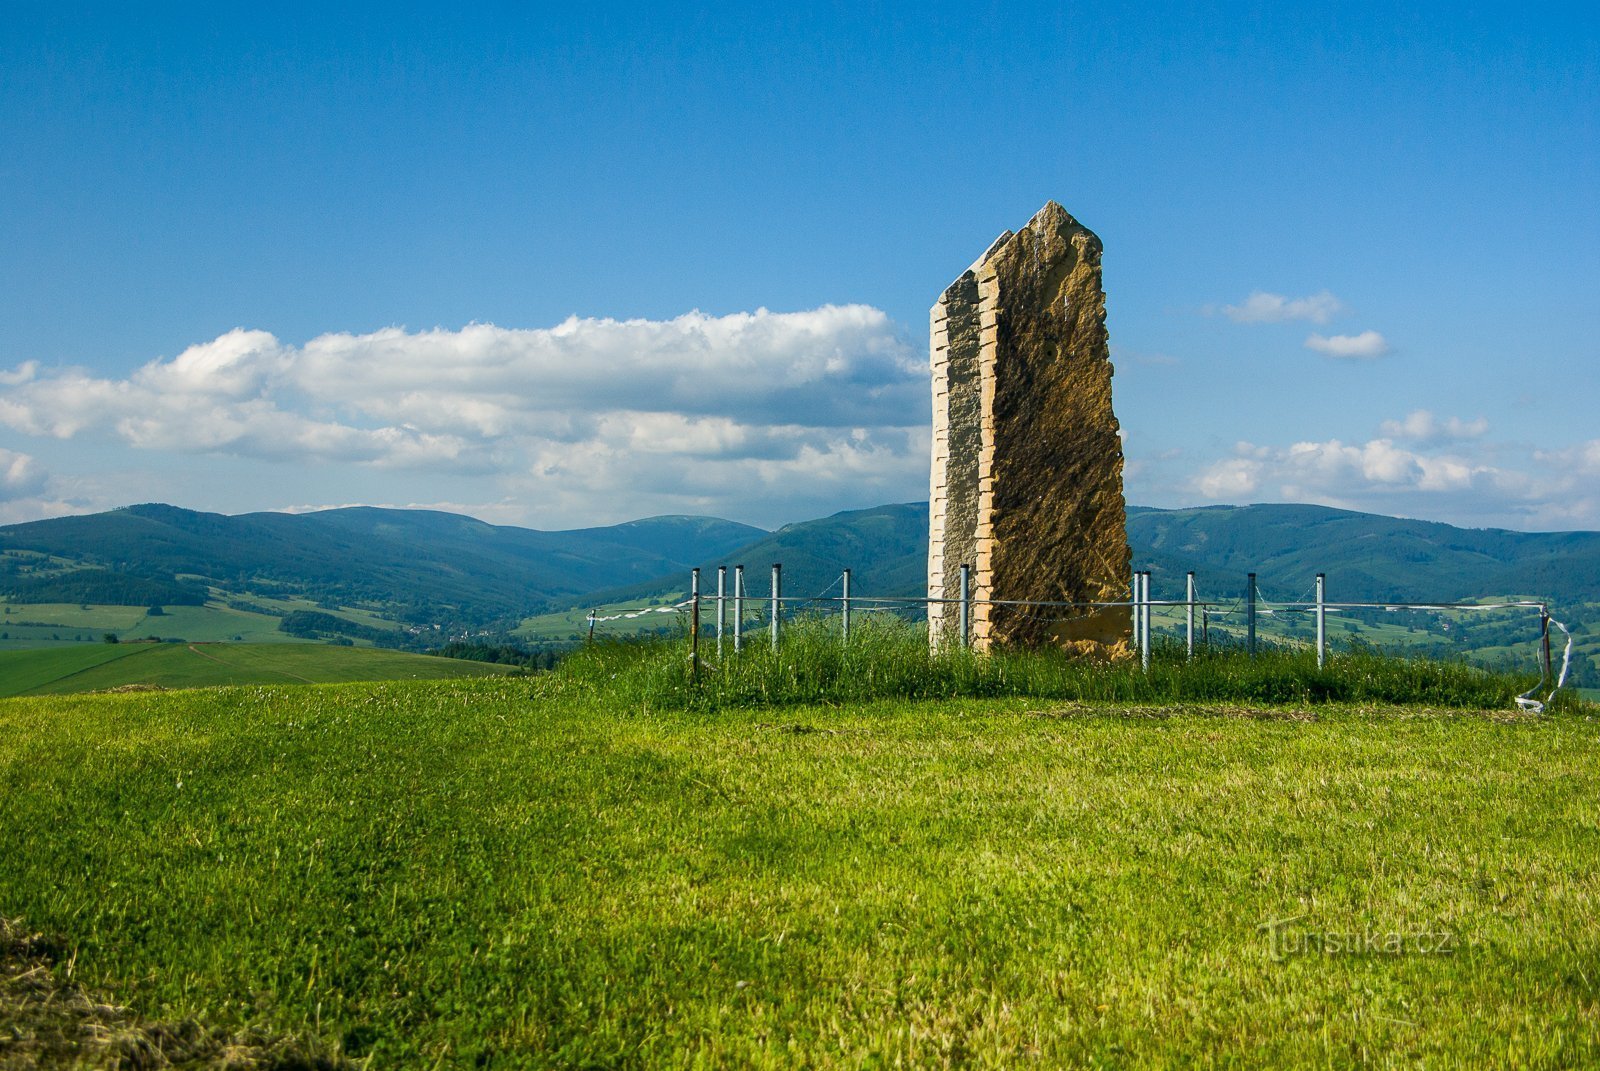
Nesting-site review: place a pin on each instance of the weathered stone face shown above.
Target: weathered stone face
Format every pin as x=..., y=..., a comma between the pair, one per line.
x=1027, y=463
x=957, y=444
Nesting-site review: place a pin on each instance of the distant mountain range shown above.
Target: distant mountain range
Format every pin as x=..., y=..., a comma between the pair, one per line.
x=420, y=565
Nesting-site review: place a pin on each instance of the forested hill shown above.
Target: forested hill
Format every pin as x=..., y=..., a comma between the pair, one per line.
x=417, y=563
x=1366, y=556
x=402, y=559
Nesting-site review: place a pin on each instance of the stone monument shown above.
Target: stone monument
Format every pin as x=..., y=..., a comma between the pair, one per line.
x=1027, y=462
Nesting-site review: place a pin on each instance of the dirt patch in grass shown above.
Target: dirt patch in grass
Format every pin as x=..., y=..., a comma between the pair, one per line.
x=46, y=1022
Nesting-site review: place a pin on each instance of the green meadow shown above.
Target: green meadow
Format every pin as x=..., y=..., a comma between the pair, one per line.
x=622, y=865
x=40, y=625
x=106, y=666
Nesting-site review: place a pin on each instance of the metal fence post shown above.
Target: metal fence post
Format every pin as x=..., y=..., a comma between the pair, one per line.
x=1322, y=618
x=844, y=610
x=1544, y=642
x=694, y=622
x=1189, y=603
x=1250, y=614
x=1144, y=602
x=722, y=605
x=777, y=601
x=1133, y=601
x=966, y=606
x=738, y=608
x=1149, y=610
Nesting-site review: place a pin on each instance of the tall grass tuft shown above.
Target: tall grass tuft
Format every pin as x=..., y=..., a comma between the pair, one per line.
x=888, y=658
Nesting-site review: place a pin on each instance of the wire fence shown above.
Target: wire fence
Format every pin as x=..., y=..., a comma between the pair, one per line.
x=735, y=616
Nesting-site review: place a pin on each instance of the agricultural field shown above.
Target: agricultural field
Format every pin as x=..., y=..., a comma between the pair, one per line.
x=105, y=666
x=621, y=864
x=612, y=620
x=222, y=619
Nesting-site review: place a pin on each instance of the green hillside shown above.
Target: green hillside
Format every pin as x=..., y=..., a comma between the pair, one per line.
x=421, y=565
x=1366, y=557
x=417, y=579
x=100, y=667
x=886, y=548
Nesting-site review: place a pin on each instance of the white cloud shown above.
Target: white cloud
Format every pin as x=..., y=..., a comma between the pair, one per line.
x=20, y=475
x=631, y=414
x=1580, y=460
x=1264, y=308
x=1420, y=425
x=21, y=374
x=1362, y=347
x=22, y=510
x=27, y=491
x=1312, y=470
x=1467, y=482
x=1232, y=479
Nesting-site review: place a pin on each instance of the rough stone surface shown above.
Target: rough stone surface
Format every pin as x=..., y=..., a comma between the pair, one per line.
x=1027, y=462
x=957, y=420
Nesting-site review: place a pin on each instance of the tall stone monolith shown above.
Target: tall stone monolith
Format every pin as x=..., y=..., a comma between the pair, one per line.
x=1027, y=463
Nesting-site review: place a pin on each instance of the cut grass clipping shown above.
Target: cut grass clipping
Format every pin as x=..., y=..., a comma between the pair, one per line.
x=566, y=870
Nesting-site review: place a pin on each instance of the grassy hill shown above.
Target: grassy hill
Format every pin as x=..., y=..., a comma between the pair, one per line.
x=528, y=873
x=101, y=667
x=1367, y=557
x=416, y=578
x=415, y=562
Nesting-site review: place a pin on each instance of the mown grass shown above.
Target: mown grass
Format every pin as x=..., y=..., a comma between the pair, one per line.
x=23, y=671
x=887, y=658
x=59, y=671
x=534, y=872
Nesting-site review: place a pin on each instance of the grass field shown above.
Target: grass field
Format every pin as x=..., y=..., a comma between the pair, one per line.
x=556, y=871
x=97, y=667
x=25, y=626
x=625, y=621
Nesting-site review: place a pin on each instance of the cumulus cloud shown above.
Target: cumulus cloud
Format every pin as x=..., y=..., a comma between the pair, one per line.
x=1464, y=480
x=20, y=475
x=1420, y=425
x=1363, y=347
x=657, y=407
x=1312, y=471
x=1580, y=460
x=21, y=374
x=28, y=491
x=1264, y=308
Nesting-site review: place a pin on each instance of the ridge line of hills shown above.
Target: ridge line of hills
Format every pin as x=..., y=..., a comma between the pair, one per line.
x=419, y=564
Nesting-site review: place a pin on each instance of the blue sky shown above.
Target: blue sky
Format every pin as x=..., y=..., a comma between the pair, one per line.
x=558, y=266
